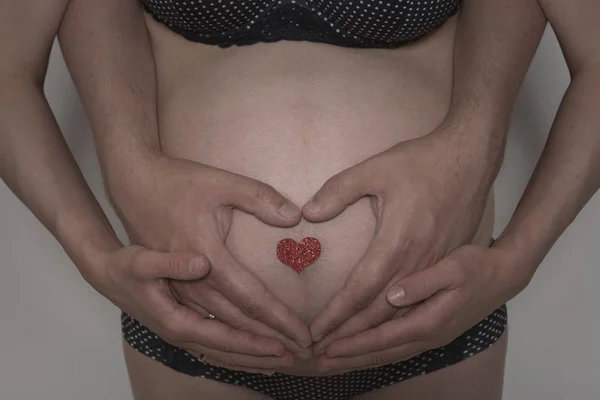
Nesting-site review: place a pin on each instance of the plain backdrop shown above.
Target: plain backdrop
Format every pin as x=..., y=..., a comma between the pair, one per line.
x=60, y=340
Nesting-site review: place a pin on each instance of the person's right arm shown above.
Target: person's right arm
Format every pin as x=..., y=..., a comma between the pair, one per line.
x=165, y=203
x=35, y=161
x=38, y=167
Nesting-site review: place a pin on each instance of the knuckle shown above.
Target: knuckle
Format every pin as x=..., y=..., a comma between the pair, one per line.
x=251, y=307
x=239, y=324
x=263, y=192
x=363, y=290
x=221, y=347
x=334, y=185
x=359, y=301
x=136, y=263
x=252, y=310
x=177, y=263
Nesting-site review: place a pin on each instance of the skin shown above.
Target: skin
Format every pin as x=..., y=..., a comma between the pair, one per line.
x=133, y=86
x=456, y=292
x=183, y=137
x=420, y=224
x=190, y=189
x=132, y=277
x=524, y=236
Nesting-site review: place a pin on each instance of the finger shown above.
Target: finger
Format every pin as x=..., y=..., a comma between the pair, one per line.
x=389, y=334
x=263, y=201
x=337, y=193
x=176, y=324
x=369, y=277
x=199, y=309
x=239, y=361
x=149, y=264
x=370, y=360
x=250, y=295
x=422, y=285
x=240, y=368
x=375, y=314
x=229, y=314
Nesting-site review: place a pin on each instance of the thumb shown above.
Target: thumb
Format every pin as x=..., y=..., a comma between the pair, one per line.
x=264, y=202
x=336, y=194
x=419, y=286
x=184, y=266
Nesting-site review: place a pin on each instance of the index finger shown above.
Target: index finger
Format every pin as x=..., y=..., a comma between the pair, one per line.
x=365, y=282
x=176, y=323
x=247, y=292
x=387, y=335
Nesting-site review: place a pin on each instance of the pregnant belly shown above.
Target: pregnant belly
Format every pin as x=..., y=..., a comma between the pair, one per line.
x=295, y=147
x=270, y=115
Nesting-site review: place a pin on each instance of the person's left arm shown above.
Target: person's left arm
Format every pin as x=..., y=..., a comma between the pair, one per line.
x=429, y=193
x=472, y=281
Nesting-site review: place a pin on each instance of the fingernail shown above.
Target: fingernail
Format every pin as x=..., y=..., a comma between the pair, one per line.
x=396, y=295
x=313, y=207
x=288, y=210
x=196, y=265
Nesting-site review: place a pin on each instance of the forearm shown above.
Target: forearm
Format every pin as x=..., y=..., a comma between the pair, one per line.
x=107, y=50
x=495, y=43
x=565, y=178
x=38, y=167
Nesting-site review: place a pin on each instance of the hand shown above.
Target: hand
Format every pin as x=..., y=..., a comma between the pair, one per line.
x=448, y=299
x=428, y=196
x=179, y=205
x=135, y=280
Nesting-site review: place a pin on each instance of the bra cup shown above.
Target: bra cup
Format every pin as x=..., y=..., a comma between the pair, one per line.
x=220, y=18
x=353, y=23
x=386, y=20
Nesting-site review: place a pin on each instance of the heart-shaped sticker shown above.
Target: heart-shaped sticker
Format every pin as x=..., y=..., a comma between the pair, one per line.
x=298, y=255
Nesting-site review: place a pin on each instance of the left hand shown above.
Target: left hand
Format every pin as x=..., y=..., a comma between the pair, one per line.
x=428, y=195
x=448, y=299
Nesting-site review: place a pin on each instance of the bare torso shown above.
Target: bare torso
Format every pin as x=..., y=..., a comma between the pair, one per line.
x=293, y=114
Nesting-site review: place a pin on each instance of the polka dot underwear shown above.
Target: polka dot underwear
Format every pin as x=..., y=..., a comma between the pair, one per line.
x=334, y=387
x=350, y=23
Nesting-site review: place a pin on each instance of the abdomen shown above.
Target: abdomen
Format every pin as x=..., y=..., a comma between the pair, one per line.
x=293, y=114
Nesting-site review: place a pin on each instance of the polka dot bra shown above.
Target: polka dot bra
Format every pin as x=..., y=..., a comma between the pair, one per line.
x=350, y=23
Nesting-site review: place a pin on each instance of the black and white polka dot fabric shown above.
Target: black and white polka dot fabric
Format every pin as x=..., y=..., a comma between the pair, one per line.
x=333, y=387
x=351, y=23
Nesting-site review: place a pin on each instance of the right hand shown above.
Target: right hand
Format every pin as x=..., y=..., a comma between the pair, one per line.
x=176, y=205
x=135, y=280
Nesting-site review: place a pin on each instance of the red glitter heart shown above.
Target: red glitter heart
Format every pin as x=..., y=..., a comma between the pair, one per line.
x=298, y=255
